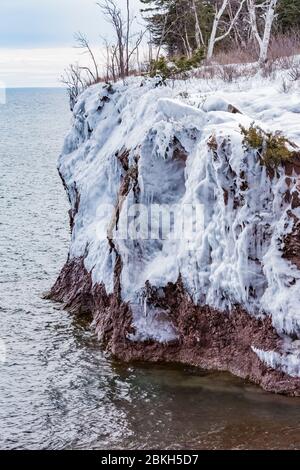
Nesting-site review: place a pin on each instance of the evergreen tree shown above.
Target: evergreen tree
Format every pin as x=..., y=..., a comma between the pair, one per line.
x=288, y=15
x=172, y=24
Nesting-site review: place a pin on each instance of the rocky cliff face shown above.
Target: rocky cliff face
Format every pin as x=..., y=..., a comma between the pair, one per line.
x=185, y=245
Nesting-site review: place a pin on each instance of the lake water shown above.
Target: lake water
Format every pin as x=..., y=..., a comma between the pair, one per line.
x=57, y=389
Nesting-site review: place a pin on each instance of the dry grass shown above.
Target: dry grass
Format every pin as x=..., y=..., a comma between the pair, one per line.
x=227, y=73
x=236, y=55
x=281, y=56
x=283, y=47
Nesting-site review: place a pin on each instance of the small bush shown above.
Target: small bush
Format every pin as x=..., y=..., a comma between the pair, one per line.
x=229, y=73
x=285, y=86
x=236, y=55
x=271, y=147
x=176, y=67
x=160, y=67
x=226, y=73
x=284, y=45
x=253, y=137
x=294, y=73
x=268, y=69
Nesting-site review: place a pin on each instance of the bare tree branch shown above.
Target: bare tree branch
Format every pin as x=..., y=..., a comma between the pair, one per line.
x=83, y=43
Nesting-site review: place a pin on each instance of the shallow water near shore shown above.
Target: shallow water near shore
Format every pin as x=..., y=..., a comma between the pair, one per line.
x=57, y=389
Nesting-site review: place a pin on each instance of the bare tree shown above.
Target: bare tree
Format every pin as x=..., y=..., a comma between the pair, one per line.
x=114, y=16
x=127, y=44
x=238, y=27
x=219, y=12
x=74, y=81
x=83, y=43
x=198, y=32
x=127, y=35
x=268, y=8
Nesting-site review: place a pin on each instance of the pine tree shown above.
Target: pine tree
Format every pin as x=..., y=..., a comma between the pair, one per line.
x=173, y=24
x=179, y=26
x=288, y=18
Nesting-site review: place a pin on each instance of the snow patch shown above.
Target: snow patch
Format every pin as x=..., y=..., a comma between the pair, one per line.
x=289, y=362
x=151, y=324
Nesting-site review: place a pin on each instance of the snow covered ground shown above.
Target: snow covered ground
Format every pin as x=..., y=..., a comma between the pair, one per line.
x=184, y=148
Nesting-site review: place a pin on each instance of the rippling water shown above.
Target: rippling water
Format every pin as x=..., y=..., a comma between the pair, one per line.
x=57, y=389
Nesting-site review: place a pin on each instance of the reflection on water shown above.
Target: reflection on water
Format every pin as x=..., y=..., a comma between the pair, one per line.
x=57, y=389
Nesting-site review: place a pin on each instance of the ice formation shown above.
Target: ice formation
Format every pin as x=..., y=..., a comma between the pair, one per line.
x=181, y=145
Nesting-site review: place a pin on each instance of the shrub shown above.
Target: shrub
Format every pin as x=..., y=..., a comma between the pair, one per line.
x=236, y=55
x=229, y=73
x=285, y=86
x=160, y=67
x=178, y=66
x=294, y=73
x=284, y=45
x=271, y=147
x=253, y=137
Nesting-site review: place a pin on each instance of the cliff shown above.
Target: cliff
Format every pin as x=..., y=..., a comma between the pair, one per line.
x=185, y=240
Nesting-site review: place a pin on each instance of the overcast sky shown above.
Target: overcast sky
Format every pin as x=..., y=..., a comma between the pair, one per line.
x=37, y=37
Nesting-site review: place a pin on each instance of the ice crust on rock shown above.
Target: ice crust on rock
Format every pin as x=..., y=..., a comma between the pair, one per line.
x=237, y=257
x=288, y=362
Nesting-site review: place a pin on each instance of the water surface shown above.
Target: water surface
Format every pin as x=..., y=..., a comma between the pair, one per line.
x=57, y=389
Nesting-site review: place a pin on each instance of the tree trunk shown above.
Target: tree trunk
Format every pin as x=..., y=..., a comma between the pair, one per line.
x=214, y=30
x=198, y=32
x=264, y=41
x=253, y=23
x=188, y=45
x=127, y=38
x=267, y=31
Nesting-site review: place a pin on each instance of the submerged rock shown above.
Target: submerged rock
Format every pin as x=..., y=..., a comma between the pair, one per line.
x=184, y=246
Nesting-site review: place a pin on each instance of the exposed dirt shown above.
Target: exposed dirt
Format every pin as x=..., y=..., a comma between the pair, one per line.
x=207, y=338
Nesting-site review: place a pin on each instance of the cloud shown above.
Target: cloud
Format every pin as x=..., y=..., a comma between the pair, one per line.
x=39, y=67
x=36, y=38
x=49, y=23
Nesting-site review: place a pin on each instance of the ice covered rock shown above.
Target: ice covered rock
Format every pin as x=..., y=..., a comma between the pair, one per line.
x=182, y=240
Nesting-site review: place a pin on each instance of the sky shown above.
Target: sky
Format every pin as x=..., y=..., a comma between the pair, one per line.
x=37, y=38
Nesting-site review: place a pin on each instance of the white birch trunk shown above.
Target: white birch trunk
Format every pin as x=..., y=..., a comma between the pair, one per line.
x=214, y=30
x=213, y=37
x=263, y=41
x=198, y=32
x=253, y=23
x=270, y=15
